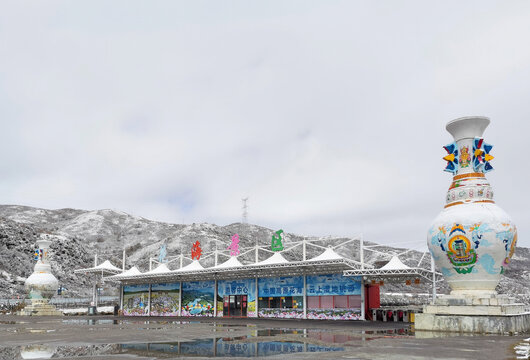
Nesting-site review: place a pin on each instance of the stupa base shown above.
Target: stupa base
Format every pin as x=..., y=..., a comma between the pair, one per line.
x=40, y=308
x=484, y=314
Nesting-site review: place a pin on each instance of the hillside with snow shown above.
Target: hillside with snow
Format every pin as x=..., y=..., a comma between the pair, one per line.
x=78, y=235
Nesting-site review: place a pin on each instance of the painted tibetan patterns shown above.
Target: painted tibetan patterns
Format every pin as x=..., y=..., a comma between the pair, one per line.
x=333, y=297
x=198, y=298
x=237, y=287
x=461, y=243
x=282, y=287
x=165, y=299
x=135, y=300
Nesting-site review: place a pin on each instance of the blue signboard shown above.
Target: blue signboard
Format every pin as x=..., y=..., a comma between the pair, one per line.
x=281, y=286
x=237, y=287
x=165, y=287
x=135, y=288
x=332, y=284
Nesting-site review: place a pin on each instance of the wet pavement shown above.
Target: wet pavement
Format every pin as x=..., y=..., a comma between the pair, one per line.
x=114, y=338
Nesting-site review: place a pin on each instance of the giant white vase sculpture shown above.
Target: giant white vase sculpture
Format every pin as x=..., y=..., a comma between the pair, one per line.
x=42, y=284
x=472, y=239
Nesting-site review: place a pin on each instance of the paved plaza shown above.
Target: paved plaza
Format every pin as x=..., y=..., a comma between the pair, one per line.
x=107, y=337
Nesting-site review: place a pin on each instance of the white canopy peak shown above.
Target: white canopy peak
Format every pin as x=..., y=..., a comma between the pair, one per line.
x=395, y=264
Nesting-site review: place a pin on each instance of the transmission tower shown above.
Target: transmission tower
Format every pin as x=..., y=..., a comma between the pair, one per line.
x=244, y=217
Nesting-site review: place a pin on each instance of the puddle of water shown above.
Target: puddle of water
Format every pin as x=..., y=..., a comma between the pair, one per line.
x=90, y=322
x=3, y=322
x=228, y=347
x=217, y=347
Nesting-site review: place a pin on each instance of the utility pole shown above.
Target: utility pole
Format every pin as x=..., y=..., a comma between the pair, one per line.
x=244, y=217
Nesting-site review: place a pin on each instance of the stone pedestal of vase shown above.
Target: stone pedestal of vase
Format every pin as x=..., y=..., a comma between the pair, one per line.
x=472, y=241
x=491, y=314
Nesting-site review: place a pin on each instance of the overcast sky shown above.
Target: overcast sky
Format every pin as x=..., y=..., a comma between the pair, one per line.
x=329, y=115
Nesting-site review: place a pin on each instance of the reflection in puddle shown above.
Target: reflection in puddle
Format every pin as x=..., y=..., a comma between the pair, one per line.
x=217, y=347
x=37, y=352
x=228, y=347
x=90, y=322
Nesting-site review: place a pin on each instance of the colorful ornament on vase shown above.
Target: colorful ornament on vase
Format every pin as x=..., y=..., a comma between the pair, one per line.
x=452, y=158
x=481, y=155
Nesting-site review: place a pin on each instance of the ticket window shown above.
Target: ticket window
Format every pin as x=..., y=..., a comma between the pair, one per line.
x=281, y=302
x=334, y=302
x=235, y=305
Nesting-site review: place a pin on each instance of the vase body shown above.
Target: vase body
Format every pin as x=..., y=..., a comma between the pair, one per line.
x=42, y=284
x=472, y=240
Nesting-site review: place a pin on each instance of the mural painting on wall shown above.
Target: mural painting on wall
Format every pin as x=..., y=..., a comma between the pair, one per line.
x=282, y=287
x=135, y=300
x=335, y=285
x=276, y=242
x=198, y=298
x=165, y=299
x=237, y=287
x=234, y=246
x=196, y=251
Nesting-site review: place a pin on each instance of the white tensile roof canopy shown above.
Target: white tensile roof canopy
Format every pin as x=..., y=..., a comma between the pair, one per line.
x=160, y=269
x=232, y=262
x=131, y=272
x=277, y=258
x=194, y=265
x=328, y=254
x=105, y=268
x=395, y=264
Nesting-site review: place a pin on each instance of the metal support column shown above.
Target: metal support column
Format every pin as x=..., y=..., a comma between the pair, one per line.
x=149, y=302
x=94, y=292
x=215, y=299
x=123, y=260
x=257, y=299
x=305, y=297
x=433, y=269
x=121, y=296
x=361, y=251
x=180, y=299
x=363, y=315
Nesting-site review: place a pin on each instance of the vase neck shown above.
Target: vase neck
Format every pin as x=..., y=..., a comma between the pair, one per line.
x=468, y=185
x=465, y=156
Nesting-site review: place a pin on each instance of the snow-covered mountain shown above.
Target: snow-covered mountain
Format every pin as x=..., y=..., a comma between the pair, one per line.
x=78, y=235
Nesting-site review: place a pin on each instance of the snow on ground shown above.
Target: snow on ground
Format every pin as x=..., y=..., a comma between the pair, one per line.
x=523, y=349
x=9, y=277
x=104, y=310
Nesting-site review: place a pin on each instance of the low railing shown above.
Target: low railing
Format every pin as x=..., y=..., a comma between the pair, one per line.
x=63, y=302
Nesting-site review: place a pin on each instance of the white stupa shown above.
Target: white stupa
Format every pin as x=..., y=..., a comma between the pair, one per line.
x=42, y=284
